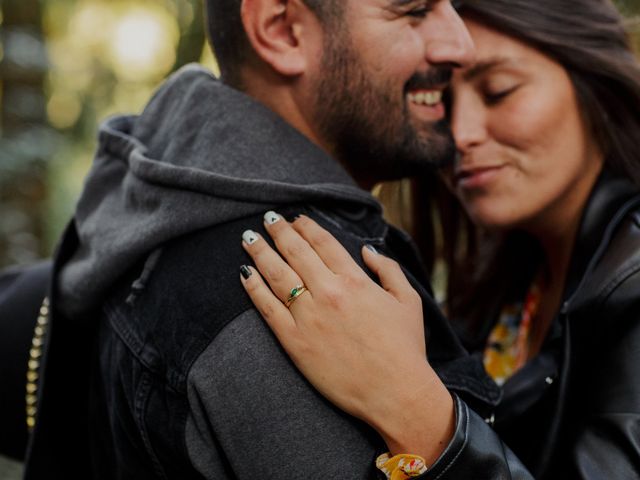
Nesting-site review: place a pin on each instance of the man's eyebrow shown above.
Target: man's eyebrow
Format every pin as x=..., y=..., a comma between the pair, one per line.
x=484, y=66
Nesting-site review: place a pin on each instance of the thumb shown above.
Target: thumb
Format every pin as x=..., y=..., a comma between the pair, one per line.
x=391, y=276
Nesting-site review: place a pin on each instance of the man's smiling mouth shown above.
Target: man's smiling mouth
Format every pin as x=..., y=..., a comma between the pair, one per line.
x=430, y=98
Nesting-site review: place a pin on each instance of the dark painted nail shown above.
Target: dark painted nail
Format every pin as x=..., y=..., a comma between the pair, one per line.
x=371, y=248
x=245, y=272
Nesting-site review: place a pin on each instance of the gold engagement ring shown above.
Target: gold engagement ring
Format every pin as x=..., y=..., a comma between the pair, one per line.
x=294, y=294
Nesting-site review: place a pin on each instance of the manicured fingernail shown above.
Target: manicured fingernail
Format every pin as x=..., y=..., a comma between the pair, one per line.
x=245, y=272
x=372, y=249
x=250, y=237
x=272, y=217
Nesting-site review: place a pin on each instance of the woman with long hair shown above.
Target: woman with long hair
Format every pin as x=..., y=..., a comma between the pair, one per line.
x=539, y=230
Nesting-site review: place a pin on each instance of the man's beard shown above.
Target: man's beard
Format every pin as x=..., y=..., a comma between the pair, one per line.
x=369, y=124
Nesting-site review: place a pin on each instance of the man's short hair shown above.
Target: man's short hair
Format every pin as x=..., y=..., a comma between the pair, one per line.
x=229, y=40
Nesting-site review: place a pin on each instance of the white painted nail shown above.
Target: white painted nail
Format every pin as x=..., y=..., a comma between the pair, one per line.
x=272, y=217
x=250, y=237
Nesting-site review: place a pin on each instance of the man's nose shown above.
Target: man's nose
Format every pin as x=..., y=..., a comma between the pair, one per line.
x=449, y=40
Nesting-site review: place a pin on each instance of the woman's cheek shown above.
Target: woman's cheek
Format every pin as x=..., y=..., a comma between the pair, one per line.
x=536, y=123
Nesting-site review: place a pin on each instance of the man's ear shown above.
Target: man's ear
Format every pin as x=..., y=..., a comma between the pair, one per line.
x=282, y=33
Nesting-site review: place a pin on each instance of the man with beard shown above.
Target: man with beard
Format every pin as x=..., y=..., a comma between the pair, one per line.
x=157, y=365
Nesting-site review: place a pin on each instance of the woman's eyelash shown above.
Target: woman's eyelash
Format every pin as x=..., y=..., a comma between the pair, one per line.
x=496, y=97
x=419, y=12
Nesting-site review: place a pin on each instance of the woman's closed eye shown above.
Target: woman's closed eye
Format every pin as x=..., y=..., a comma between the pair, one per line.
x=420, y=12
x=493, y=96
x=419, y=9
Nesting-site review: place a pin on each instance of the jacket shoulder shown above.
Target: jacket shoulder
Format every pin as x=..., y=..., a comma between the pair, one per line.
x=613, y=278
x=172, y=306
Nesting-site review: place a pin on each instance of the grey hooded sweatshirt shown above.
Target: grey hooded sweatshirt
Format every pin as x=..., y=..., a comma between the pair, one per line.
x=201, y=154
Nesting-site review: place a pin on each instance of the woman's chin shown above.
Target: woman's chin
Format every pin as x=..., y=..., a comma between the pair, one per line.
x=494, y=222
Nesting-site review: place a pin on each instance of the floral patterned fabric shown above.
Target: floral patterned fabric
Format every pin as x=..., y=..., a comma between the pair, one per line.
x=508, y=345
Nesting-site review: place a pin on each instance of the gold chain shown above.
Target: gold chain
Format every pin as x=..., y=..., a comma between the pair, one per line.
x=35, y=354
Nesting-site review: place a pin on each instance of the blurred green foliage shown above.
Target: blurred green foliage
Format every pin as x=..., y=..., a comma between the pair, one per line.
x=64, y=66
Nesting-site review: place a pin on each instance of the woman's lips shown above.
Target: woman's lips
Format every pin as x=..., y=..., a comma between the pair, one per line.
x=477, y=177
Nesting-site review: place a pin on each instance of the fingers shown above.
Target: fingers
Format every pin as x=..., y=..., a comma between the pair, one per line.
x=391, y=276
x=280, y=276
x=270, y=307
x=297, y=252
x=312, y=257
x=330, y=251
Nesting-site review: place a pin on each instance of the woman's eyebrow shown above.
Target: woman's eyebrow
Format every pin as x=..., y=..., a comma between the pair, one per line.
x=484, y=66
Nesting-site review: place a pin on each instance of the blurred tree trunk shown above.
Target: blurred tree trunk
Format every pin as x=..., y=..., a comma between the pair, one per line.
x=24, y=139
x=190, y=12
x=23, y=65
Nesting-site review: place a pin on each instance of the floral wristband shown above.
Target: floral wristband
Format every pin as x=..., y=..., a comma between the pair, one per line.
x=401, y=467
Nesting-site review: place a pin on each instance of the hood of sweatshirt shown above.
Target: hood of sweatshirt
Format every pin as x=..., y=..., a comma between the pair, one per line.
x=200, y=154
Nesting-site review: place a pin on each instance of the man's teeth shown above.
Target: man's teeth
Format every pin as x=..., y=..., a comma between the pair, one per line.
x=430, y=98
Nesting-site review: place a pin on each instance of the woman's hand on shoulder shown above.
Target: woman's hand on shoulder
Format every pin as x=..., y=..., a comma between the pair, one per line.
x=360, y=344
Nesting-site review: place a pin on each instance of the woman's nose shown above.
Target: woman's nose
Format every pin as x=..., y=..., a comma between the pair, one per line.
x=468, y=123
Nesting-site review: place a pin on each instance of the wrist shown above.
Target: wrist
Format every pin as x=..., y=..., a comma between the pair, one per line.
x=418, y=417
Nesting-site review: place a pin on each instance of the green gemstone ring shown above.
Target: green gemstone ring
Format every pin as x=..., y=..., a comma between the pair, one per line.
x=295, y=293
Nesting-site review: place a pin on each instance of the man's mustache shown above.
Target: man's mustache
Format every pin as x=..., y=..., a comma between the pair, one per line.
x=434, y=77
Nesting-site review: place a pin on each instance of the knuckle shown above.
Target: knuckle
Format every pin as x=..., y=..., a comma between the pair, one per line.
x=334, y=297
x=268, y=311
x=276, y=273
x=252, y=286
x=321, y=238
x=295, y=250
x=354, y=282
x=393, y=265
x=415, y=299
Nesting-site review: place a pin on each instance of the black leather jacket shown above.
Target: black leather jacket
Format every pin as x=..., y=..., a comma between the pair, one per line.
x=595, y=432
x=574, y=411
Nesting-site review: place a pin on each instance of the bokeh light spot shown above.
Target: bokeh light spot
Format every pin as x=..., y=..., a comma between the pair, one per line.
x=143, y=44
x=63, y=110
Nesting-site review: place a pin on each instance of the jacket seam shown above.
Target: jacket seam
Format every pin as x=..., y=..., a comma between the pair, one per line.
x=142, y=400
x=612, y=286
x=127, y=337
x=334, y=223
x=462, y=447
